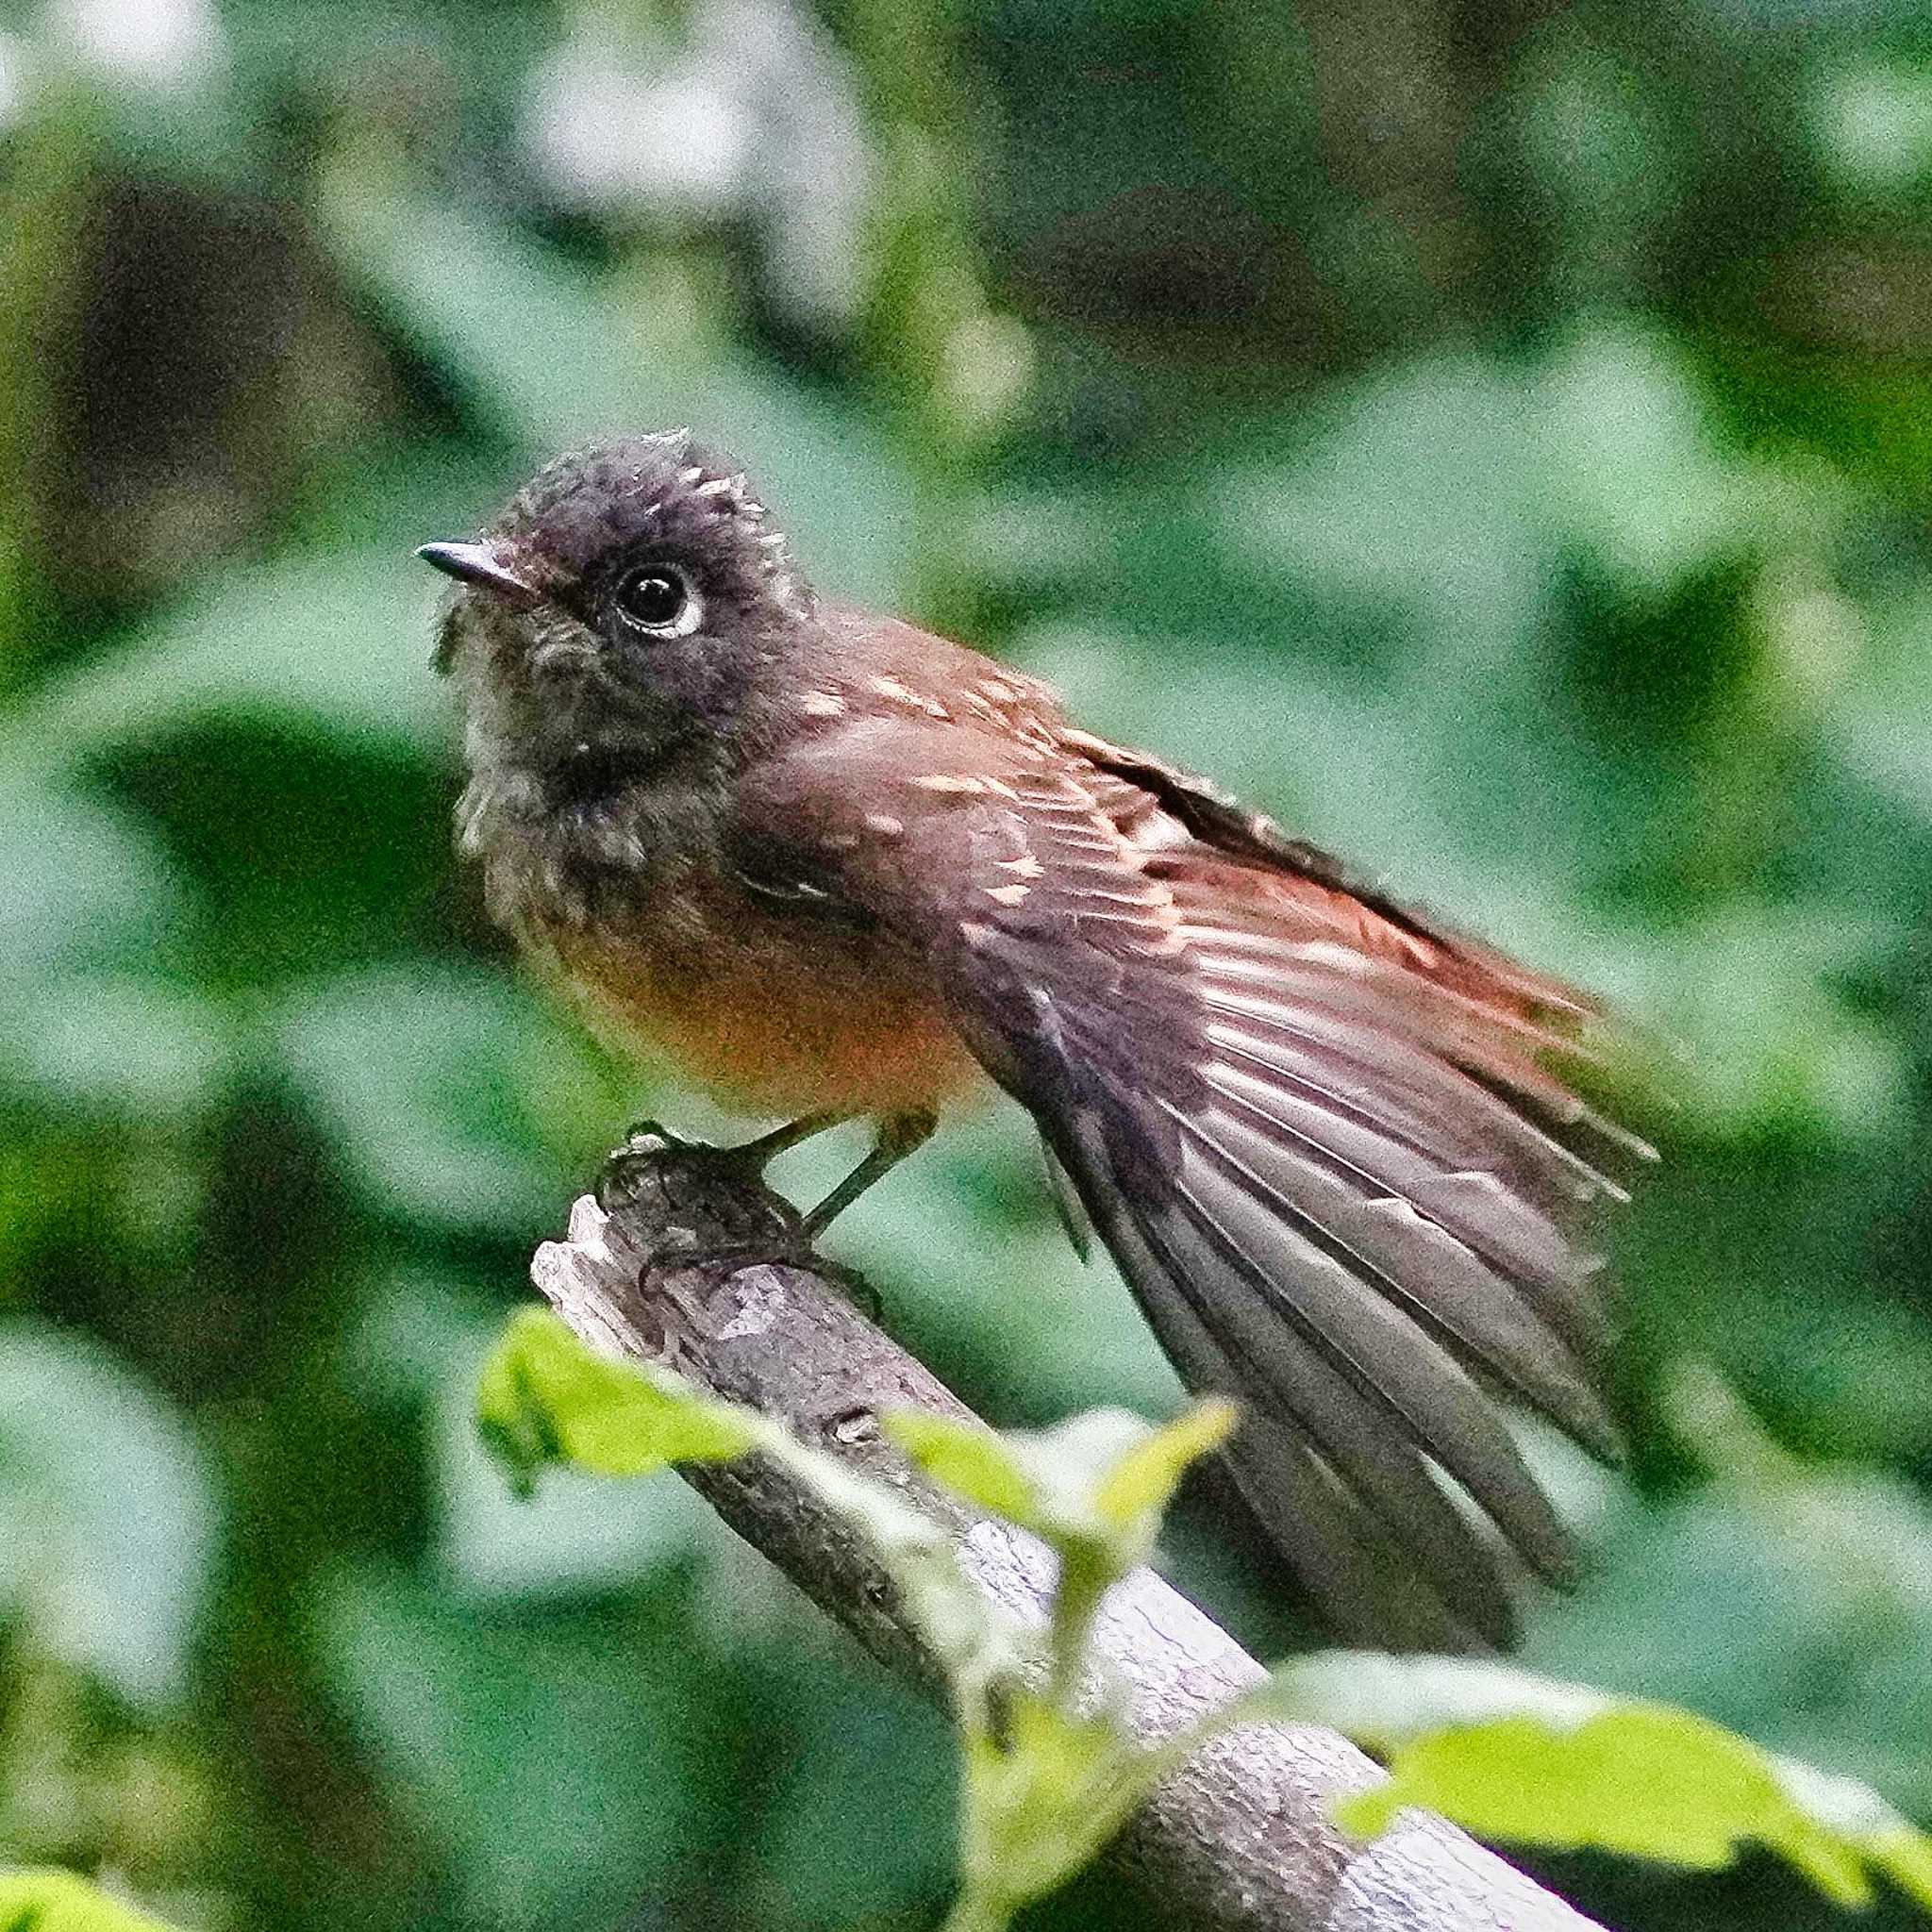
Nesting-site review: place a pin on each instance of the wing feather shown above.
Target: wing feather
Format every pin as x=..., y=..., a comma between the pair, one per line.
x=1332, y=1149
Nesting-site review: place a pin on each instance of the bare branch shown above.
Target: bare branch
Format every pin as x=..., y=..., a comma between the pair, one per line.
x=1238, y=1839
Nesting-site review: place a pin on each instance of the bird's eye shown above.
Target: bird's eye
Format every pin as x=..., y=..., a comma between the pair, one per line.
x=658, y=598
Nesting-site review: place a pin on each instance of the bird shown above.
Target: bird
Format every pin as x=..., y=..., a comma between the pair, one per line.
x=829, y=864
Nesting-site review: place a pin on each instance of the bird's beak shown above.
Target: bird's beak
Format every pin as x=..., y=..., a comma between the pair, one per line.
x=481, y=564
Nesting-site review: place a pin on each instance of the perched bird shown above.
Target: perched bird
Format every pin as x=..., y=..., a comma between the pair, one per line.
x=833, y=865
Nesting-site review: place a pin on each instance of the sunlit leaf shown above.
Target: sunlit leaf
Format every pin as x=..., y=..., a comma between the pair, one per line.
x=1810, y=1583
x=1044, y=1795
x=45, y=1900
x=1527, y=1761
x=543, y=1397
x=577, y=1531
x=1882, y=718
x=418, y=1347
x=1451, y=543
x=972, y=1461
x=1142, y=1482
x=1098, y=1480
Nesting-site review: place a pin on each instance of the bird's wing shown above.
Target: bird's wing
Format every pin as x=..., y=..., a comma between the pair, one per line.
x=1321, y=1142
x=1133, y=786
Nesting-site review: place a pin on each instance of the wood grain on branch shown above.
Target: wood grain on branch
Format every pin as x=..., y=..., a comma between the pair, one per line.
x=1238, y=1839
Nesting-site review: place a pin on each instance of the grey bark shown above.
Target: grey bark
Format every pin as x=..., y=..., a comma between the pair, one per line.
x=1238, y=1839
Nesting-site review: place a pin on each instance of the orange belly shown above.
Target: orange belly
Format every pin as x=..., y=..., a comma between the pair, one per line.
x=785, y=1020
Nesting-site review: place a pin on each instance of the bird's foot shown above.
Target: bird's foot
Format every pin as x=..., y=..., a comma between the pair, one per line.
x=651, y=1141
x=694, y=1201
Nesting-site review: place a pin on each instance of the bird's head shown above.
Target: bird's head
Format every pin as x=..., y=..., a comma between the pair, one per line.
x=620, y=604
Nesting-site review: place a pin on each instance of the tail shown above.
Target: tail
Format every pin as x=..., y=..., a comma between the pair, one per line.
x=1347, y=1197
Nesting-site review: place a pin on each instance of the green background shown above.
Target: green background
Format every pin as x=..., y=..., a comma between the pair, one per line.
x=1496, y=437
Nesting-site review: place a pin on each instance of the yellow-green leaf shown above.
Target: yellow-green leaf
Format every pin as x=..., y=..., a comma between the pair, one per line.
x=44, y=1899
x=544, y=1397
x=1043, y=1796
x=1099, y=1480
x=967, y=1458
x=1144, y=1479
x=1514, y=1757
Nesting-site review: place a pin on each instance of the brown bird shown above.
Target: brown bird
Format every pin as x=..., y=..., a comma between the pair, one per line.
x=834, y=865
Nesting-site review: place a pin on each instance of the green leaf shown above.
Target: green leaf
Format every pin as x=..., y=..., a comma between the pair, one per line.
x=44, y=1899
x=343, y=637
x=859, y=1786
x=1810, y=1584
x=972, y=1461
x=1099, y=1480
x=1454, y=543
x=557, y=356
x=456, y=1096
x=543, y=1397
x=1522, y=1759
x=1043, y=1795
x=80, y=884
x=1766, y=1040
x=561, y=1763
x=1634, y=476
x=417, y=1346
x=1871, y=125
x=107, y=1521
x=131, y=1046
x=1141, y=1483
x=1093, y=1489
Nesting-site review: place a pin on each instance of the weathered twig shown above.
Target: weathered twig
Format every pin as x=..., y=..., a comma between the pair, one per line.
x=1238, y=1839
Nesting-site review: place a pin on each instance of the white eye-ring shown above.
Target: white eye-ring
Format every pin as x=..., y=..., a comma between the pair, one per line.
x=660, y=599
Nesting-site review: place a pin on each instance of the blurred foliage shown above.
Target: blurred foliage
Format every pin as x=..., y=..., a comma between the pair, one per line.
x=1495, y=436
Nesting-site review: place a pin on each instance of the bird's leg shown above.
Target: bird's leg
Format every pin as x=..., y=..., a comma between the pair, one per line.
x=647, y=1141
x=666, y=1178
x=756, y=1154
x=899, y=1135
